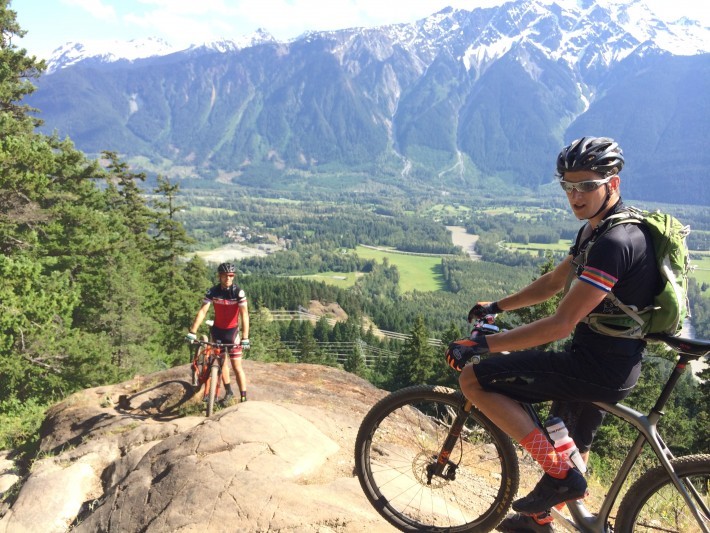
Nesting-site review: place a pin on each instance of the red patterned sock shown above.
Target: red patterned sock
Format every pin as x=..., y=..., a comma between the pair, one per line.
x=544, y=453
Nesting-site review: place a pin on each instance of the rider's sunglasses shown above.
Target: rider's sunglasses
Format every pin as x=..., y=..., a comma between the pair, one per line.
x=583, y=186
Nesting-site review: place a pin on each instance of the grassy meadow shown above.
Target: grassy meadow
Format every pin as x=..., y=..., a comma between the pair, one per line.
x=343, y=280
x=537, y=248
x=417, y=272
x=701, y=271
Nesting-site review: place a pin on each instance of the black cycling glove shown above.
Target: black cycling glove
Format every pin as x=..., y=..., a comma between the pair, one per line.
x=482, y=309
x=462, y=351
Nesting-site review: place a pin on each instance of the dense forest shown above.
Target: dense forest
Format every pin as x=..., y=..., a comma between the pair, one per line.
x=98, y=282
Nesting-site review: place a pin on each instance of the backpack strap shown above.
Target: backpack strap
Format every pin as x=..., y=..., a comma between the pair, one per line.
x=586, y=238
x=577, y=252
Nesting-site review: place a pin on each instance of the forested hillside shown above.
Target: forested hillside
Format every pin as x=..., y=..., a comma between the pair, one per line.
x=99, y=282
x=93, y=288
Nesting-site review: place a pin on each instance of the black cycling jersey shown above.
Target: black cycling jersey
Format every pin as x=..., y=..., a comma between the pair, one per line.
x=596, y=367
x=622, y=260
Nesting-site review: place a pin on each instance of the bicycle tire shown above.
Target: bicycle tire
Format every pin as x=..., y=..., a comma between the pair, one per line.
x=214, y=377
x=653, y=503
x=197, y=367
x=403, y=433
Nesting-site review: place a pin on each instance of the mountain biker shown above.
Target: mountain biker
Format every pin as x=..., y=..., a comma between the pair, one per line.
x=595, y=367
x=230, y=315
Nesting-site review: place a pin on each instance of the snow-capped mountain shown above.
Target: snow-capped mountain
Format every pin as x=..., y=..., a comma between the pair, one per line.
x=579, y=33
x=462, y=95
x=563, y=29
x=73, y=53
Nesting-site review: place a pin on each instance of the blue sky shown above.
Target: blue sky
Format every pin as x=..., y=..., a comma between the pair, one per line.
x=51, y=23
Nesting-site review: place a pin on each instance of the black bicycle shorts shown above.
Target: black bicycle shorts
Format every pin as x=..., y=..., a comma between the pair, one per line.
x=227, y=336
x=570, y=379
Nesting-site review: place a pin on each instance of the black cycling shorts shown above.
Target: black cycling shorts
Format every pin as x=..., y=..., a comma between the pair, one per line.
x=227, y=336
x=575, y=377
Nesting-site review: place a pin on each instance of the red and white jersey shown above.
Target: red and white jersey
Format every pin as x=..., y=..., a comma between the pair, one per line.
x=226, y=305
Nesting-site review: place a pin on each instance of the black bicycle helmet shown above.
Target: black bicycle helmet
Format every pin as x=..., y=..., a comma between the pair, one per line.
x=227, y=268
x=598, y=154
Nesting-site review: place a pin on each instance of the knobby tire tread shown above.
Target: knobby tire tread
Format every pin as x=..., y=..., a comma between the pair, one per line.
x=502, y=489
x=214, y=377
x=646, y=486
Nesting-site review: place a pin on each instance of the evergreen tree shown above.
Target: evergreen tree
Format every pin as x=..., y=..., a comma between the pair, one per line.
x=126, y=197
x=171, y=240
x=168, y=272
x=702, y=420
x=355, y=363
x=18, y=69
x=266, y=344
x=417, y=362
x=322, y=330
x=452, y=333
x=307, y=346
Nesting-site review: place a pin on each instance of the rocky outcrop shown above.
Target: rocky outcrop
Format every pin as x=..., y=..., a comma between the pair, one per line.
x=127, y=458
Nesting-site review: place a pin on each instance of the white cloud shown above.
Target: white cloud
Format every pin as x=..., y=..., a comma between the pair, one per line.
x=190, y=7
x=95, y=8
x=50, y=23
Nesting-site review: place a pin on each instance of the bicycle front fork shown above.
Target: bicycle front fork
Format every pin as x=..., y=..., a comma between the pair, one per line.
x=443, y=467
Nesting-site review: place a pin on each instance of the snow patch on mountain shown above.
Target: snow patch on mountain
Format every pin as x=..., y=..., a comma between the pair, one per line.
x=111, y=51
x=108, y=51
x=579, y=32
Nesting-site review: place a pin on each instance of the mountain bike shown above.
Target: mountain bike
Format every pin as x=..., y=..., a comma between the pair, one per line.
x=207, y=364
x=428, y=460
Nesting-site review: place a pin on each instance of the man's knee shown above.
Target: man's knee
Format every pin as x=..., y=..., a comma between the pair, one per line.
x=468, y=381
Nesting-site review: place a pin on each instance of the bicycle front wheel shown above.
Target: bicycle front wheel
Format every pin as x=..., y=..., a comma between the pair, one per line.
x=654, y=504
x=398, y=444
x=214, y=381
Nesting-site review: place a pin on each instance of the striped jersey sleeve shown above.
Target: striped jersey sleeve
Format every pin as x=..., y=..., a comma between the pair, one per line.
x=598, y=278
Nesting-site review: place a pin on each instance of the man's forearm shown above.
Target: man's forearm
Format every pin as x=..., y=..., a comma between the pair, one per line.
x=245, y=324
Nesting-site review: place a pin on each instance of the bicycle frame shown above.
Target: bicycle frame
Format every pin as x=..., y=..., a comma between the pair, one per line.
x=583, y=520
x=214, y=351
x=587, y=522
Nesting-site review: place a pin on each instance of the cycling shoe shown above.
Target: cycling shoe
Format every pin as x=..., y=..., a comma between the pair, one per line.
x=551, y=491
x=522, y=523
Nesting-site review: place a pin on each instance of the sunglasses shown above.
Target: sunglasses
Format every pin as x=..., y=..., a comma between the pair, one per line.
x=583, y=186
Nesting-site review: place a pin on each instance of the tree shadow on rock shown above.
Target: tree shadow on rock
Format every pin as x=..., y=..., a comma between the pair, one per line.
x=161, y=401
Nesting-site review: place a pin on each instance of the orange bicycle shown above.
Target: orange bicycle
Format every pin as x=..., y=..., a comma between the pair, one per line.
x=207, y=365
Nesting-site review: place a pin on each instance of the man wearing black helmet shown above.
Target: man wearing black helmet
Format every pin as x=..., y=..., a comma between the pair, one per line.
x=230, y=315
x=596, y=367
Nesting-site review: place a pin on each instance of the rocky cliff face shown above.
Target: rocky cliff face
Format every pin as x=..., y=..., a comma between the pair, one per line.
x=123, y=458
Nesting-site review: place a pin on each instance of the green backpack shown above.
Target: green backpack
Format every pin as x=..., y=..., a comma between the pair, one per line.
x=670, y=305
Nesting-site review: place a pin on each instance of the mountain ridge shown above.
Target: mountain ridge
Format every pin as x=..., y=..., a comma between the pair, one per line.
x=468, y=96
x=693, y=39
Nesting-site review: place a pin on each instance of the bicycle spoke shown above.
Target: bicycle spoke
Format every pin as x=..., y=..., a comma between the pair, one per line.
x=402, y=455
x=657, y=506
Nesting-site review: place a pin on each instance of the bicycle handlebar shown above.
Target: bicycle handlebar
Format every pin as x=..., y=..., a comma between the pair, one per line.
x=209, y=343
x=485, y=325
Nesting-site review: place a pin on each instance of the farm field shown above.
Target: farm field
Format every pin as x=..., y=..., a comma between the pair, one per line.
x=422, y=273
x=343, y=280
x=561, y=247
x=701, y=272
